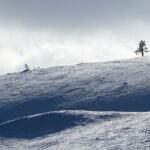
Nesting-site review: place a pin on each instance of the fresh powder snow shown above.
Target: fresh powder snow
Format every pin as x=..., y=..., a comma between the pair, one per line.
x=89, y=106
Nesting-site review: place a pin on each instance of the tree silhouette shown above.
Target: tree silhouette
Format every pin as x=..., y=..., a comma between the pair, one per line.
x=142, y=48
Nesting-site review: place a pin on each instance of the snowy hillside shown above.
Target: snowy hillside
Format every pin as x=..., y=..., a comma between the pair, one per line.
x=86, y=106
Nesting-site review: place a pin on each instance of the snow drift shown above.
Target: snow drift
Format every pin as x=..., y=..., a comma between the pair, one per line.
x=48, y=123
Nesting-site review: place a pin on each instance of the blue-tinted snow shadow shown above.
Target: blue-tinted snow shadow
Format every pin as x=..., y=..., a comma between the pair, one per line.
x=129, y=103
x=48, y=123
x=30, y=107
x=137, y=101
x=28, y=128
x=134, y=102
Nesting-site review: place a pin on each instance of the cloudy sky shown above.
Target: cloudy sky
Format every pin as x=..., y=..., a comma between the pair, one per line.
x=44, y=33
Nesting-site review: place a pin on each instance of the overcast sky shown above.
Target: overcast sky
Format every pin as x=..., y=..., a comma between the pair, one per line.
x=44, y=33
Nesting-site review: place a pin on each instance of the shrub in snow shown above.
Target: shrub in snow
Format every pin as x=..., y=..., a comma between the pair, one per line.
x=26, y=67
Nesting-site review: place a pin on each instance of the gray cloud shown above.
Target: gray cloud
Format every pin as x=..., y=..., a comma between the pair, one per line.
x=64, y=32
x=68, y=14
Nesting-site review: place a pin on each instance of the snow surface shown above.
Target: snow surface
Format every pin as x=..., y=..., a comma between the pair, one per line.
x=82, y=107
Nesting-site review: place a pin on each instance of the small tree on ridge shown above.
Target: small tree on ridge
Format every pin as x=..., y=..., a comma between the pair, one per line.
x=142, y=48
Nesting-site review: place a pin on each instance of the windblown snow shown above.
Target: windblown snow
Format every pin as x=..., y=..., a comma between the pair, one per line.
x=89, y=106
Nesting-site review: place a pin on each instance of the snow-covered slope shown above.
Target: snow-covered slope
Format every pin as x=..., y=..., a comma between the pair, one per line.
x=103, y=131
x=64, y=103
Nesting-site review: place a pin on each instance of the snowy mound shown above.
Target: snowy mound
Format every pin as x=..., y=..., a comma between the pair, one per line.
x=103, y=130
x=48, y=123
